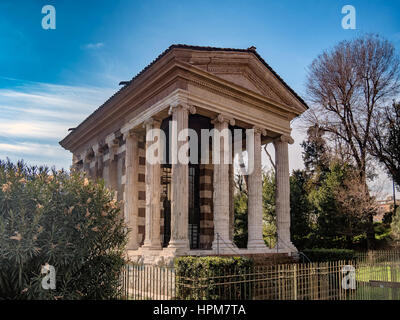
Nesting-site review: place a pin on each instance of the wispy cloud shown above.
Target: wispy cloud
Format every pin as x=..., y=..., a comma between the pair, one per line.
x=25, y=148
x=35, y=116
x=96, y=45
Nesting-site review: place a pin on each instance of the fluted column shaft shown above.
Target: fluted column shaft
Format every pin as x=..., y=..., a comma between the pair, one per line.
x=131, y=188
x=222, y=240
x=153, y=186
x=282, y=194
x=255, y=209
x=179, y=181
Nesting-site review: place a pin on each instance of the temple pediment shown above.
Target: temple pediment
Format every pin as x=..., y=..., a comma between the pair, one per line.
x=244, y=68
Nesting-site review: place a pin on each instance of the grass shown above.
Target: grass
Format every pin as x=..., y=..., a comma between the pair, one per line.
x=378, y=273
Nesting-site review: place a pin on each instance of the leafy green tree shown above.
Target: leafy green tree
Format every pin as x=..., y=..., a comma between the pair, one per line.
x=395, y=225
x=60, y=219
x=301, y=211
x=240, y=224
x=241, y=212
x=316, y=152
x=269, y=215
x=343, y=208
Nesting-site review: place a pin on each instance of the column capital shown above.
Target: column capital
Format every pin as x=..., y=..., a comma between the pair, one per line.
x=88, y=155
x=98, y=149
x=173, y=107
x=222, y=118
x=77, y=164
x=131, y=133
x=151, y=122
x=285, y=138
x=259, y=130
x=113, y=145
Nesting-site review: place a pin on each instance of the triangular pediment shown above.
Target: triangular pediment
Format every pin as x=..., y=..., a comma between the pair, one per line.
x=245, y=69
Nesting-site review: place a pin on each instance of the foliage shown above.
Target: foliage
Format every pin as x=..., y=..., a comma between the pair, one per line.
x=240, y=224
x=60, y=219
x=301, y=211
x=395, y=225
x=197, y=277
x=269, y=216
x=343, y=210
x=324, y=255
x=240, y=209
x=382, y=234
x=316, y=151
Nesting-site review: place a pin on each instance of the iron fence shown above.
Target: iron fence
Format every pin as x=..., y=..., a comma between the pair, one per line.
x=147, y=282
x=371, y=276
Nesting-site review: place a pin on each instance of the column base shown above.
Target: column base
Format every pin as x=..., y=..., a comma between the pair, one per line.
x=224, y=246
x=128, y=247
x=286, y=246
x=151, y=246
x=256, y=244
x=179, y=247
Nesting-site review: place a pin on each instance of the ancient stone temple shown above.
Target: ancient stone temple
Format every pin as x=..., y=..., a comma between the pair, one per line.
x=186, y=208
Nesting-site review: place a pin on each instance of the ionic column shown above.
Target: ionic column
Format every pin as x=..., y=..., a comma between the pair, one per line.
x=152, y=239
x=98, y=154
x=87, y=159
x=282, y=194
x=179, y=240
x=77, y=163
x=110, y=173
x=255, y=209
x=131, y=188
x=231, y=200
x=221, y=197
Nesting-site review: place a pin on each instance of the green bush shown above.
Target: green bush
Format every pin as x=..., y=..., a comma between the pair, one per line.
x=323, y=255
x=64, y=220
x=201, y=278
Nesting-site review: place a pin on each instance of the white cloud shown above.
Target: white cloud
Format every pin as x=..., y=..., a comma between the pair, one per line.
x=25, y=148
x=96, y=45
x=32, y=129
x=35, y=116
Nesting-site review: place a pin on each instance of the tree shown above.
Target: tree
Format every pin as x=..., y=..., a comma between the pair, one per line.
x=241, y=210
x=357, y=207
x=385, y=140
x=316, y=151
x=301, y=210
x=240, y=214
x=395, y=225
x=342, y=208
x=347, y=87
x=269, y=215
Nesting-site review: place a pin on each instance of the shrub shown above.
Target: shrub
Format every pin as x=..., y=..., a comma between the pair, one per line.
x=323, y=255
x=200, y=278
x=64, y=220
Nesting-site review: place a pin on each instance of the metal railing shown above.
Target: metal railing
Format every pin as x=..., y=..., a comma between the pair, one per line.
x=376, y=276
x=147, y=282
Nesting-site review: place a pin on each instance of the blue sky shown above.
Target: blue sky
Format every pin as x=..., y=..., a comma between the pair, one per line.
x=50, y=80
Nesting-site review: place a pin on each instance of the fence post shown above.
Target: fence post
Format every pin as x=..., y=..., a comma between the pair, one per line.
x=295, y=281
